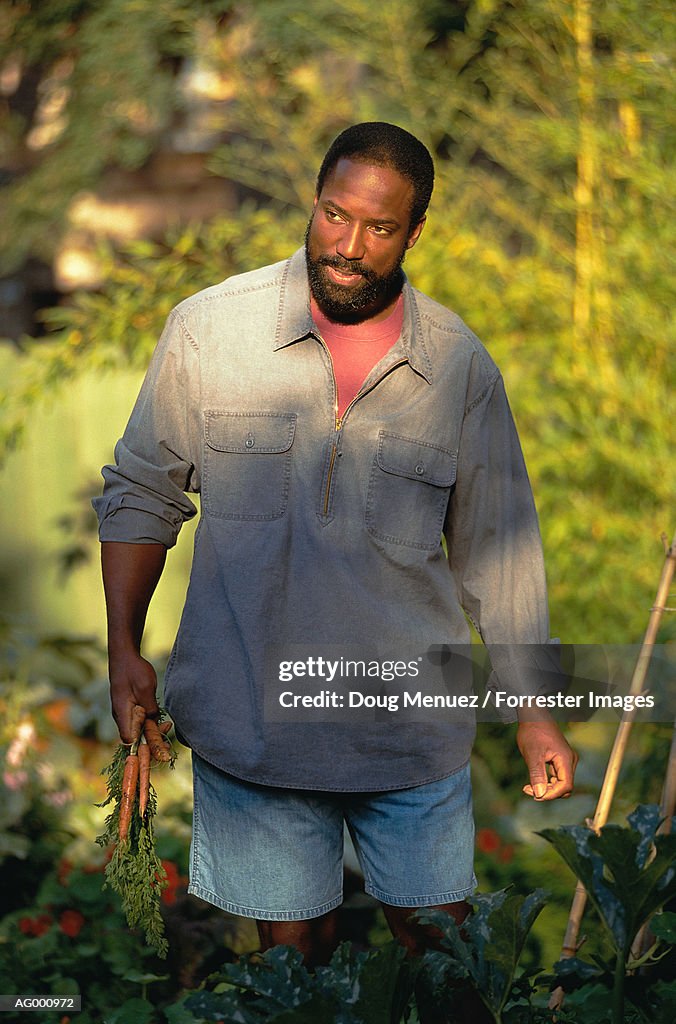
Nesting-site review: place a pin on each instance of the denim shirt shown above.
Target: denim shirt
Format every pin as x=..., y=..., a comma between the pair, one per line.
x=325, y=534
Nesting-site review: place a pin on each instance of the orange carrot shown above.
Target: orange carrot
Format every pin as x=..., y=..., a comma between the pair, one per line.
x=129, y=784
x=138, y=717
x=144, y=777
x=158, y=745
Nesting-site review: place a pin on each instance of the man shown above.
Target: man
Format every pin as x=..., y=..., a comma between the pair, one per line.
x=336, y=423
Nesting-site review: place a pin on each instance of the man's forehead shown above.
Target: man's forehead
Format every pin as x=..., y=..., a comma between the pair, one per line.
x=363, y=182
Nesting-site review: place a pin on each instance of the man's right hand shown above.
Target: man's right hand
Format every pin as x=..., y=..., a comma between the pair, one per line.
x=132, y=681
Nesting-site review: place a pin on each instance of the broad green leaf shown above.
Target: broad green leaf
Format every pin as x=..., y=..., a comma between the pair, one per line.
x=386, y=982
x=572, y=971
x=496, y=932
x=341, y=979
x=645, y=820
x=665, y=991
x=142, y=978
x=572, y=844
x=178, y=1013
x=663, y=926
x=221, y=1006
x=623, y=884
x=462, y=958
x=315, y=1011
x=132, y=1011
x=510, y=926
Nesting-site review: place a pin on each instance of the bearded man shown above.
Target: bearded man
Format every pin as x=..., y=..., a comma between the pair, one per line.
x=337, y=424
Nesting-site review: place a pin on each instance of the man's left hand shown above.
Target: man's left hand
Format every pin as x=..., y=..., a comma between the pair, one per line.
x=543, y=745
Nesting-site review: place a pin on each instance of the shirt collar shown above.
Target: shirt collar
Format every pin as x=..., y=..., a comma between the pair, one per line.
x=294, y=322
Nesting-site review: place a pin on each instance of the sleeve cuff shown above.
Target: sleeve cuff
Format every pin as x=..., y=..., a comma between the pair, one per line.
x=524, y=670
x=121, y=521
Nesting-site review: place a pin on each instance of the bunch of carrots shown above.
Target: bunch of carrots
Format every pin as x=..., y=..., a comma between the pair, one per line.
x=150, y=742
x=135, y=870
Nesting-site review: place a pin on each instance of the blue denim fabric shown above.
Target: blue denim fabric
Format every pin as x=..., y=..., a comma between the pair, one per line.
x=320, y=531
x=277, y=854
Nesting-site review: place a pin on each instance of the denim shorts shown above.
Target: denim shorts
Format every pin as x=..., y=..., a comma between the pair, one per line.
x=277, y=854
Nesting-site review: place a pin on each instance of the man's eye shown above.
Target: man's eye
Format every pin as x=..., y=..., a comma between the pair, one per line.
x=378, y=229
x=333, y=216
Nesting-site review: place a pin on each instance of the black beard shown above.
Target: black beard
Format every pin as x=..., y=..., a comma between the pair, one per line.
x=359, y=302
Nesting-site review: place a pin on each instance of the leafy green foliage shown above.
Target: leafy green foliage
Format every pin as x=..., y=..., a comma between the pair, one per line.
x=135, y=871
x=496, y=90
x=489, y=950
x=628, y=873
x=356, y=988
x=39, y=674
x=118, y=326
x=571, y=294
x=109, y=69
x=663, y=926
x=73, y=939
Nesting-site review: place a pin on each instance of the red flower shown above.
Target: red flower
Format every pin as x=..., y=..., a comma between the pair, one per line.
x=35, y=925
x=64, y=869
x=488, y=840
x=42, y=924
x=174, y=881
x=506, y=853
x=71, y=922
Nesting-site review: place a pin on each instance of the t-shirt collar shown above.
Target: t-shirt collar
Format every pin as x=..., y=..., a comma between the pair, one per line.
x=294, y=322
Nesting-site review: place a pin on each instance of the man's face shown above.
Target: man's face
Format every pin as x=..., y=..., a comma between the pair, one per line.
x=357, y=239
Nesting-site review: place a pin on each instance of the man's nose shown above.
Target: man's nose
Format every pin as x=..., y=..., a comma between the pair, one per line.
x=351, y=243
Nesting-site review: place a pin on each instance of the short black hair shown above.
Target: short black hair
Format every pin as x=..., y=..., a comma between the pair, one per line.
x=385, y=145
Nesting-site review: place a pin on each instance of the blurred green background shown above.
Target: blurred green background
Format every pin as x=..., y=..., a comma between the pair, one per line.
x=148, y=149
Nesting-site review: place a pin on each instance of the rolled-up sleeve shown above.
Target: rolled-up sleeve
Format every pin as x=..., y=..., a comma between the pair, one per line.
x=495, y=550
x=158, y=458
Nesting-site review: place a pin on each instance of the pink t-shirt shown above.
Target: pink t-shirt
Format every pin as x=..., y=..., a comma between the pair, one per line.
x=356, y=348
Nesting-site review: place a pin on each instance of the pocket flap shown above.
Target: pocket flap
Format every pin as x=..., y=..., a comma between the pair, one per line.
x=262, y=433
x=416, y=460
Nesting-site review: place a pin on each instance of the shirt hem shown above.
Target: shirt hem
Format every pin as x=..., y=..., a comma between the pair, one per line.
x=329, y=787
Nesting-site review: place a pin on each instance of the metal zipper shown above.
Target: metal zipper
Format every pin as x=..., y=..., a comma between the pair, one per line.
x=337, y=425
x=340, y=420
x=327, y=492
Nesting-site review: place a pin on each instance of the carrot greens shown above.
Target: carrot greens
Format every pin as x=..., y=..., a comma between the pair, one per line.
x=135, y=871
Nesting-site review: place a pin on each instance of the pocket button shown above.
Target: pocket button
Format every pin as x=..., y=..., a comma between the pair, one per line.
x=420, y=468
x=249, y=441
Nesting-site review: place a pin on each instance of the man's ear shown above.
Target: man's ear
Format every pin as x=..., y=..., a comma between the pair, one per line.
x=415, y=234
x=315, y=201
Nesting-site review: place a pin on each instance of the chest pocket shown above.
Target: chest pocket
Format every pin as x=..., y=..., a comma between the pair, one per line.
x=247, y=464
x=408, y=491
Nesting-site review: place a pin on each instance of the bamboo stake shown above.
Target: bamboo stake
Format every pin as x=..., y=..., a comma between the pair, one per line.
x=570, y=944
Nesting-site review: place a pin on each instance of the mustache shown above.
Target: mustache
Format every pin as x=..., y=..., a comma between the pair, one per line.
x=348, y=266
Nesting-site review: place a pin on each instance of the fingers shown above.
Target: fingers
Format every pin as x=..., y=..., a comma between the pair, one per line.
x=132, y=685
x=127, y=719
x=139, y=722
x=155, y=738
x=138, y=716
x=559, y=783
x=544, y=747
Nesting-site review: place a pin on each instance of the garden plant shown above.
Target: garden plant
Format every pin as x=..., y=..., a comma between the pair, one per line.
x=552, y=130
